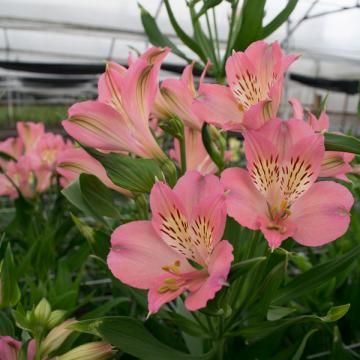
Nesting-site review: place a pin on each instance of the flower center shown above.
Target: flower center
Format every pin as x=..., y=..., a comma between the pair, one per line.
x=277, y=216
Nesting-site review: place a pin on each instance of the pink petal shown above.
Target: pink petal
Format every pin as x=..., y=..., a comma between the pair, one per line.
x=97, y=125
x=321, y=124
x=197, y=157
x=9, y=348
x=219, y=268
x=298, y=111
x=30, y=133
x=322, y=214
x=336, y=164
x=244, y=202
x=138, y=254
x=216, y=105
x=73, y=162
x=157, y=299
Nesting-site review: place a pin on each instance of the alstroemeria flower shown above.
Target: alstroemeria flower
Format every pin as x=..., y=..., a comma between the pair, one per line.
x=119, y=120
x=186, y=228
x=255, y=79
x=9, y=348
x=277, y=194
x=73, y=162
x=335, y=163
x=196, y=155
x=174, y=99
x=30, y=133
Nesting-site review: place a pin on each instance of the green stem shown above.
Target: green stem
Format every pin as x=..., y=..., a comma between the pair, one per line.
x=197, y=318
x=37, y=348
x=182, y=154
x=211, y=39
x=216, y=34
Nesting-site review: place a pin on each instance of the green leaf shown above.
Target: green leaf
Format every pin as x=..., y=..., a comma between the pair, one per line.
x=134, y=174
x=6, y=326
x=74, y=195
x=262, y=329
x=185, y=38
x=6, y=156
x=300, y=350
x=130, y=336
x=278, y=312
x=316, y=276
x=208, y=4
x=274, y=24
x=340, y=142
x=242, y=267
x=9, y=289
x=156, y=37
x=251, y=27
x=97, y=196
x=336, y=313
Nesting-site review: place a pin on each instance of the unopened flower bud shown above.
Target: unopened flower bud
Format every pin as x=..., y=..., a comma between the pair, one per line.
x=55, y=318
x=42, y=312
x=91, y=351
x=56, y=337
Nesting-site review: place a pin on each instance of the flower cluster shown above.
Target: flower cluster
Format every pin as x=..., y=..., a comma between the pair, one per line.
x=181, y=249
x=29, y=161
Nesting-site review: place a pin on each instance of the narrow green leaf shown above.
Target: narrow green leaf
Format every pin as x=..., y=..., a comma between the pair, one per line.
x=156, y=37
x=130, y=336
x=134, y=174
x=316, y=276
x=208, y=4
x=251, y=27
x=242, y=267
x=9, y=289
x=185, y=38
x=300, y=350
x=279, y=19
x=97, y=196
x=278, y=312
x=6, y=326
x=340, y=142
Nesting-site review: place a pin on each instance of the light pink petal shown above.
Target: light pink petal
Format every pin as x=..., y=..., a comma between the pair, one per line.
x=257, y=115
x=73, y=162
x=194, y=188
x=336, y=164
x=175, y=99
x=321, y=124
x=298, y=110
x=109, y=85
x=30, y=133
x=197, y=157
x=219, y=268
x=216, y=105
x=157, y=299
x=244, y=202
x=138, y=254
x=12, y=146
x=322, y=214
x=97, y=125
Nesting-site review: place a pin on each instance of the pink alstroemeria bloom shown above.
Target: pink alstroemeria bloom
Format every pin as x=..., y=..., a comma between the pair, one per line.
x=48, y=149
x=278, y=194
x=335, y=163
x=187, y=223
x=197, y=157
x=119, y=120
x=73, y=162
x=255, y=79
x=30, y=133
x=174, y=99
x=9, y=348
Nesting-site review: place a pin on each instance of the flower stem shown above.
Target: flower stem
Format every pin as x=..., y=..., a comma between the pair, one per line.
x=182, y=154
